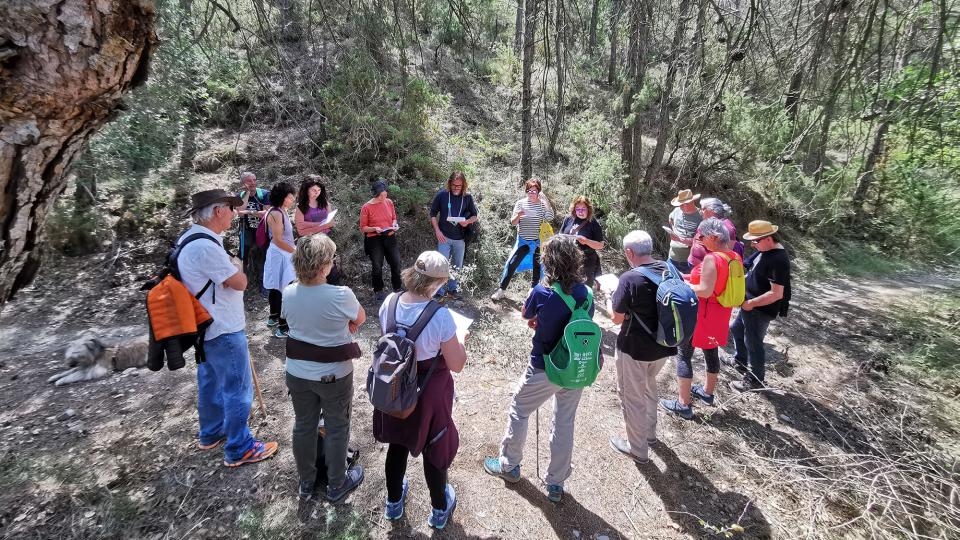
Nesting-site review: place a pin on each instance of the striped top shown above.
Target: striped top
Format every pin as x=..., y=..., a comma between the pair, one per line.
x=534, y=215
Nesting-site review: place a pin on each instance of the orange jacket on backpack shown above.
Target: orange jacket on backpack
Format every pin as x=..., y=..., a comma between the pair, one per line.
x=177, y=322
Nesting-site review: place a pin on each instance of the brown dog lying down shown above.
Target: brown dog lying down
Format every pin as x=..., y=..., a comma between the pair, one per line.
x=89, y=358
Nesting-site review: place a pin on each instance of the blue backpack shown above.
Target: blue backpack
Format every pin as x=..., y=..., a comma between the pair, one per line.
x=676, y=307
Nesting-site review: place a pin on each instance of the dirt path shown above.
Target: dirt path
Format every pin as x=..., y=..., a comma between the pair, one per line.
x=125, y=464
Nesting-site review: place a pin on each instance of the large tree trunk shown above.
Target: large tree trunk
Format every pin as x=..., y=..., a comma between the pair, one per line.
x=631, y=143
x=66, y=65
x=526, y=115
x=615, y=10
x=594, y=19
x=560, y=32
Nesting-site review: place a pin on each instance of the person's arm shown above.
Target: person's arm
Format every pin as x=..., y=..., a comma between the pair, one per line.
x=365, y=226
x=275, y=222
x=518, y=213
x=237, y=282
x=619, y=302
x=393, y=214
x=304, y=227
x=355, y=324
x=473, y=214
x=454, y=354
x=548, y=213
x=435, y=219
x=325, y=228
x=590, y=243
x=708, y=278
x=774, y=294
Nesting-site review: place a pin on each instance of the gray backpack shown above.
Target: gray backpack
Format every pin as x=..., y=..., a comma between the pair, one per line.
x=392, y=379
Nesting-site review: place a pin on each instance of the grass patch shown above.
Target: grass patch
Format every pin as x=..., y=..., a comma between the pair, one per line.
x=849, y=259
x=930, y=330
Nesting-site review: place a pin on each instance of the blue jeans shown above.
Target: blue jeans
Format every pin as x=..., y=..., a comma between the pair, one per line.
x=225, y=393
x=452, y=250
x=749, y=329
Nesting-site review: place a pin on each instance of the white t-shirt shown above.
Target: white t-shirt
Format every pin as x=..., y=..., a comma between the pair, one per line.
x=202, y=261
x=318, y=314
x=440, y=328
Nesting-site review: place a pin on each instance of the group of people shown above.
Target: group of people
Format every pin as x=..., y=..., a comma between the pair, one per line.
x=319, y=317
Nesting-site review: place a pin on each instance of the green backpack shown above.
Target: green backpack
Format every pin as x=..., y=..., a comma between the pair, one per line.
x=575, y=361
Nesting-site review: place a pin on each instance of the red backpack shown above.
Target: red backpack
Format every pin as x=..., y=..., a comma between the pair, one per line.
x=263, y=235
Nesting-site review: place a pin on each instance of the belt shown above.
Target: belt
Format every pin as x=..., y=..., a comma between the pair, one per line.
x=301, y=350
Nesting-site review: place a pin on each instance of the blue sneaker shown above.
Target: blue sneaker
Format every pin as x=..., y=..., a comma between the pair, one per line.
x=492, y=466
x=674, y=406
x=394, y=510
x=554, y=493
x=698, y=392
x=351, y=481
x=272, y=321
x=439, y=518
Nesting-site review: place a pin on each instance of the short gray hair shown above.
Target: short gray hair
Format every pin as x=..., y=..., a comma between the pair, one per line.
x=205, y=214
x=639, y=242
x=718, y=207
x=313, y=253
x=245, y=174
x=714, y=227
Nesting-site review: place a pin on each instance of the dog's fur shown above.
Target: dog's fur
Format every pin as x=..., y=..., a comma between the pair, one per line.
x=89, y=358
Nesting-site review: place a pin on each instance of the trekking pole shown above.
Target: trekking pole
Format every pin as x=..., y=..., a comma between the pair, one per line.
x=538, y=444
x=256, y=386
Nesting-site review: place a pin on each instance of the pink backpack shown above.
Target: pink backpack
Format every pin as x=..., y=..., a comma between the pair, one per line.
x=263, y=235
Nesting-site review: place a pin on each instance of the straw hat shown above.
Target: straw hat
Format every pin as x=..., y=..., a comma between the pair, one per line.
x=758, y=229
x=684, y=196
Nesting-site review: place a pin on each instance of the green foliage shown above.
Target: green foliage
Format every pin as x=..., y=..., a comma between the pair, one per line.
x=931, y=336
x=74, y=233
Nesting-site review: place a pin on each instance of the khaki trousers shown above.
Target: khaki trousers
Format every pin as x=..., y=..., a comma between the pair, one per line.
x=637, y=388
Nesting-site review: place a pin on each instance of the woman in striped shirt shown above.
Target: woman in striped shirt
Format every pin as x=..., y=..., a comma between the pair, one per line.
x=528, y=214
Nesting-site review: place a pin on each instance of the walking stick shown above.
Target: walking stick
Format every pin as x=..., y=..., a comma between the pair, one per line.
x=256, y=386
x=538, y=444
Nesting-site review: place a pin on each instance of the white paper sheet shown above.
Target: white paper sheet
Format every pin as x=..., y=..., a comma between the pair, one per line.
x=608, y=282
x=463, y=324
x=329, y=217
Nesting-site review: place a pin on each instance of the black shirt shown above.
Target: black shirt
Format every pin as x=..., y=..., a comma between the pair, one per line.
x=552, y=315
x=637, y=296
x=764, y=268
x=447, y=205
x=589, y=229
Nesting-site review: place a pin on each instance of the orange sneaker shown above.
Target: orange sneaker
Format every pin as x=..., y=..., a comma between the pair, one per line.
x=259, y=452
x=212, y=445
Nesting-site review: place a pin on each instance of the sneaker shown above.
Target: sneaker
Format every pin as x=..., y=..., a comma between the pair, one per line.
x=439, y=518
x=280, y=333
x=698, y=392
x=746, y=385
x=492, y=466
x=394, y=510
x=306, y=490
x=499, y=294
x=623, y=446
x=674, y=406
x=379, y=297
x=351, y=480
x=272, y=321
x=554, y=493
x=212, y=445
x=260, y=451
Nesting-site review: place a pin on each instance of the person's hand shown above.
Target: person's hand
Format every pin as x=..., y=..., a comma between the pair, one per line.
x=521, y=213
x=464, y=224
x=532, y=323
x=377, y=230
x=440, y=237
x=676, y=238
x=580, y=239
x=396, y=226
x=353, y=327
x=465, y=336
x=746, y=306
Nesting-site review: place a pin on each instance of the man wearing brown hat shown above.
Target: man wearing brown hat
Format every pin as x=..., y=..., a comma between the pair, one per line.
x=224, y=380
x=684, y=220
x=768, y=296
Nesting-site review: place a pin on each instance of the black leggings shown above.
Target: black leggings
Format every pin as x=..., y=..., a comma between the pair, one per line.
x=380, y=247
x=276, y=303
x=685, y=357
x=396, y=467
x=515, y=261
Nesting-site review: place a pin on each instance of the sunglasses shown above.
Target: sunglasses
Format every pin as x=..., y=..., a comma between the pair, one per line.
x=533, y=191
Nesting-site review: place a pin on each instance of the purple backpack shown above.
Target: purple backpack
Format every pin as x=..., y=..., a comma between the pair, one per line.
x=392, y=381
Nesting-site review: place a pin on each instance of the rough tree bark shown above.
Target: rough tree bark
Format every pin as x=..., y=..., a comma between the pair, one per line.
x=518, y=29
x=631, y=143
x=526, y=116
x=65, y=66
x=560, y=32
x=594, y=19
x=615, y=10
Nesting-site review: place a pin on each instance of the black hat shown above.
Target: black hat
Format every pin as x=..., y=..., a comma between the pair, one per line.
x=204, y=199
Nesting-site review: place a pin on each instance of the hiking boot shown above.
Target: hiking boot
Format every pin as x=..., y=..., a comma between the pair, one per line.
x=212, y=445
x=698, y=392
x=280, y=333
x=394, y=510
x=439, y=518
x=351, y=481
x=260, y=451
x=272, y=321
x=306, y=490
x=623, y=446
x=499, y=294
x=492, y=466
x=674, y=406
x=554, y=493
x=746, y=385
